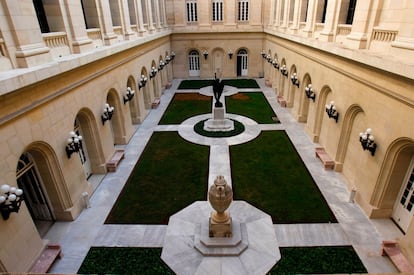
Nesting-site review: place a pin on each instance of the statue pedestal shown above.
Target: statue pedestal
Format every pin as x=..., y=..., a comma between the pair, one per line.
x=218, y=122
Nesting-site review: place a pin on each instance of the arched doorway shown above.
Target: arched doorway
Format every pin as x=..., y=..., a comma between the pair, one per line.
x=193, y=63
x=34, y=192
x=403, y=209
x=392, y=193
x=242, y=63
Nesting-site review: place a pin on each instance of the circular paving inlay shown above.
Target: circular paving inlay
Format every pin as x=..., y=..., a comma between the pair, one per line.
x=186, y=131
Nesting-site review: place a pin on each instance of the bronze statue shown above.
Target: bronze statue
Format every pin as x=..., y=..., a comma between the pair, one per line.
x=218, y=87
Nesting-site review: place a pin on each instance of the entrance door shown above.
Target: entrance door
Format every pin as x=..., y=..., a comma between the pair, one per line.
x=242, y=63
x=403, y=208
x=193, y=64
x=83, y=153
x=36, y=199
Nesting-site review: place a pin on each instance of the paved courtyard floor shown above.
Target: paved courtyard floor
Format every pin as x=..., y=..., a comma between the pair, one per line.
x=353, y=227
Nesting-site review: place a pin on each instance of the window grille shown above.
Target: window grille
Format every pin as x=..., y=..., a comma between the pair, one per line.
x=243, y=10
x=191, y=10
x=217, y=10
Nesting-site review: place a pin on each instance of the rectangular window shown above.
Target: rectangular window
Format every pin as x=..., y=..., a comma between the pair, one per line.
x=217, y=10
x=243, y=10
x=191, y=10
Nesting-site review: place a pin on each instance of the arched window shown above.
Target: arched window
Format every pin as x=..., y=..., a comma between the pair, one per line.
x=194, y=63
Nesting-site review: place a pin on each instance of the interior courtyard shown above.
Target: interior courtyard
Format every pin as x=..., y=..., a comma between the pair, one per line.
x=84, y=80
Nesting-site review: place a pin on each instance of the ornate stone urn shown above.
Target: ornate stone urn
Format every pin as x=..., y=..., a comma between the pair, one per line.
x=220, y=196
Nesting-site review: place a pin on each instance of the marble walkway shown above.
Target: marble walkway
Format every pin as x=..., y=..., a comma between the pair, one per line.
x=353, y=227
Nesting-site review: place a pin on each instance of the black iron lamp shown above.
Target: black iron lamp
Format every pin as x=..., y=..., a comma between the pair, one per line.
x=172, y=55
x=129, y=95
x=284, y=71
x=263, y=53
x=74, y=144
x=310, y=93
x=153, y=72
x=331, y=111
x=10, y=200
x=142, y=82
x=275, y=64
x=167, y=59
x=161, y=65
x=108, y=111
x=230, y=53
x=367, y=141
x=269, y=58
x=294, y=79
x=205, y=53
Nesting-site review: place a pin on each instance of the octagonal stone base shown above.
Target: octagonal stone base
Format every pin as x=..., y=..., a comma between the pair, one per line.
x=257, y=235
x=222, y=246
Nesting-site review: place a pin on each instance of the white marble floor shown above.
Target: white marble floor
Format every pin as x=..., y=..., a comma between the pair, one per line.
x=353, y=227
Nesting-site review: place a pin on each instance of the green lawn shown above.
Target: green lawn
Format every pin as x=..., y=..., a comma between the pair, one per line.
x=170, y=174
x=184, y=106
x=253, y=105
x=124, y=260
x=268, y=173
x=318, y=260
x=294, y=260
x=200, y=83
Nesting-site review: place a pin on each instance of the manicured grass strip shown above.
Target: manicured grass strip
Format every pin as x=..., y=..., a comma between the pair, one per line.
x=241, y=83
x=195, y=84
x=318, y=260
x=124, y=260
x=200, y=83
x=184, y=106
x=171, y=174
x=268, y=173
x=252, y=105
x=238, y=129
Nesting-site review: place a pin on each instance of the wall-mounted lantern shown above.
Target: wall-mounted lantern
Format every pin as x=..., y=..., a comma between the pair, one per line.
x=331, y=111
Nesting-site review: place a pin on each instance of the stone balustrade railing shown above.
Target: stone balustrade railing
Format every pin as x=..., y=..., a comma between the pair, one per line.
x=383, y=35
x=343, y=29
x=55, y=39
x=94, y=34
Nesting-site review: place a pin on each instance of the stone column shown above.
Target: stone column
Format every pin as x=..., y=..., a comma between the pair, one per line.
x=140, y=21
x=26, y=39
x=405, y=37
x=163, y=14
x=80, y=41
x=157, y=14
x=149, y=16
x=126, y=21
x=286, y=8
x=105, y=20
x=272, y=13
x=296, y=15
x=277, y=12
x=310, y=18
x=331, y=21
x=364, y=11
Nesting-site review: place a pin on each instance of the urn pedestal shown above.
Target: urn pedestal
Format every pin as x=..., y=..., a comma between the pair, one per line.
x=220, y=196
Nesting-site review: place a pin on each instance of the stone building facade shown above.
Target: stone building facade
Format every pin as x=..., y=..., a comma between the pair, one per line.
x=62, y=61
